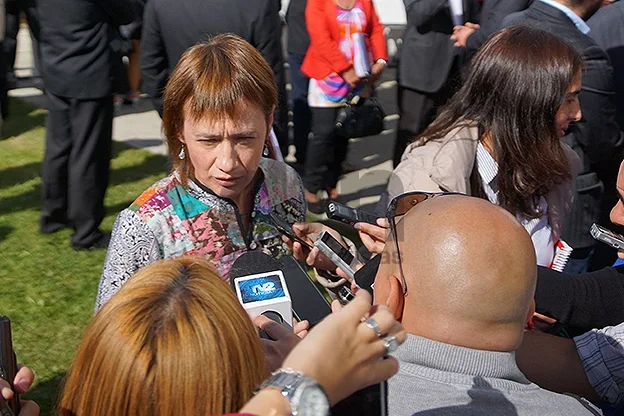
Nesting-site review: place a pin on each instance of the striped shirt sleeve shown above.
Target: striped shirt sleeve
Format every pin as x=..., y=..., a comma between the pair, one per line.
x=602, y=354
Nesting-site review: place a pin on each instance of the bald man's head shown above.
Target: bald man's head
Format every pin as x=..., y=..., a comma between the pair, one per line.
x=470, y=272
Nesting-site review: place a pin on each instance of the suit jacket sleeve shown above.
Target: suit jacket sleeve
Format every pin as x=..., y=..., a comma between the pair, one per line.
x=584, y=301
x=154, y=63
x=320, y=37
x=492, y=15
x=121, y=12
x=421, y=11
x=266, y=37
x=598, y=133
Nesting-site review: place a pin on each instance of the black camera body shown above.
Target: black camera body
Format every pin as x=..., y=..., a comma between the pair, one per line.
x=8, y=364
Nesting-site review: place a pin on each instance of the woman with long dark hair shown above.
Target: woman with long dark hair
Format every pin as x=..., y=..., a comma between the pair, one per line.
x=499, y=137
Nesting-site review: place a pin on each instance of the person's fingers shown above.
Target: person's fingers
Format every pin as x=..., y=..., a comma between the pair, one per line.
x=372, y=245
x=383, y=222
x=544, y=318
x=288, y=241
x=336, y=306
x=385, y=322
x=454, y=38
x=5, y=389
x=357, y=308
x=375, y=231
x=312, y=256
x=399, y=332
x=377, y=348
x=29, y=408
x=302, y=229
x=272, y=328
x=342, y=274
x=299, y=251
x=301, y=326
x=23, y=379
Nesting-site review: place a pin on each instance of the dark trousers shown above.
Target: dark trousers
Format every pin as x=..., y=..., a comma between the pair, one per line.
x=13, y=9
x=302, y=116
x=76, y=165
x=280, y=122
x=326, y=151
x=418, y=109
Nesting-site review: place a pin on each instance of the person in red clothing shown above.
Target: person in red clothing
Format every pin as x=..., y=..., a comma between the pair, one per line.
x=347, y=54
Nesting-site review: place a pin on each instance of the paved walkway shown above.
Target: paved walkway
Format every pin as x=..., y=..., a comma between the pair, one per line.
x=139, y=126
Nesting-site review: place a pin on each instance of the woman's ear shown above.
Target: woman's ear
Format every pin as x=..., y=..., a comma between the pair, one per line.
x=181, y=138
x=270, y=121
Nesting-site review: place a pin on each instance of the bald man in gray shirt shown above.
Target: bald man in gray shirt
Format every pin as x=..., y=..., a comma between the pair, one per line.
x=464, y=301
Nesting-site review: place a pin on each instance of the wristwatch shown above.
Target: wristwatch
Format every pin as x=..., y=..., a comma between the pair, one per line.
x=381, y=61
x=306, y=396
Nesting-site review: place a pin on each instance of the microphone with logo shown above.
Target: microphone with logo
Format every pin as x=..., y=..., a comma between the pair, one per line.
x=262, y=290
x=305, y=300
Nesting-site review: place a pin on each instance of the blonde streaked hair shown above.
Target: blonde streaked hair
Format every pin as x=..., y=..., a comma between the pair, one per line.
x=173, y=341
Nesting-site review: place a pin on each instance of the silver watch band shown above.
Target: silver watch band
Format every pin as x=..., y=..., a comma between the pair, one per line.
x=293, y=384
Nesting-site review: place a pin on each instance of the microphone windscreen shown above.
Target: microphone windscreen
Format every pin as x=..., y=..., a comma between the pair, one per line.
x=252, y=262
x=308, y=302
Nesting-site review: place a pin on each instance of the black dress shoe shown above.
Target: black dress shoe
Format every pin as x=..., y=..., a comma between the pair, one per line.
x=100, y=244
x=52, y=227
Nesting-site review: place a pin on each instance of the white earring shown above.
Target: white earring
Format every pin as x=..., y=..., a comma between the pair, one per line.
x=182, y=155
x=265, y=151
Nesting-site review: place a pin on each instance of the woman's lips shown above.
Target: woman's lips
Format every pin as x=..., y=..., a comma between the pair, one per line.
x=226, y=181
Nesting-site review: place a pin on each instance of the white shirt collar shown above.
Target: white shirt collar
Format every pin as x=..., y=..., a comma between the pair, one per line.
x=486, y=165
x=576, y=19
x=457, y=11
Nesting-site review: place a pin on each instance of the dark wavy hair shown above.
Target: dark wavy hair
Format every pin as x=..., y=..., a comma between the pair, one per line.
x=513, y=88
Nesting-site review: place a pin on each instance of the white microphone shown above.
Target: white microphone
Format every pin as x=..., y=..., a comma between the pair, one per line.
x=265, y=294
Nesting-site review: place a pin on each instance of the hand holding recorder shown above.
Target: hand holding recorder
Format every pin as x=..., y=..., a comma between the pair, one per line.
x=343, y=354
x=22, y=382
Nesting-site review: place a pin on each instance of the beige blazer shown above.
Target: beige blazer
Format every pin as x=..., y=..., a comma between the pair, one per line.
x=446, y=165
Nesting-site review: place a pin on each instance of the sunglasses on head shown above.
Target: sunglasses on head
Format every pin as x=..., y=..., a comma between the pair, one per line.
x=395, y=212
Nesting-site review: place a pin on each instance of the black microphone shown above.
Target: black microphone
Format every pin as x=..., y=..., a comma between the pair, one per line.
x=365, y=276
x=307, y=301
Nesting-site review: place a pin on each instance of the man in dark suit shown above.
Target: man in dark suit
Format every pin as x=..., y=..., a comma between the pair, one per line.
x=597, y=138
x=493, y=12
x=428, y=65
x=171, y=27
x=607, y=29
x=77, y=70
x=298, y=43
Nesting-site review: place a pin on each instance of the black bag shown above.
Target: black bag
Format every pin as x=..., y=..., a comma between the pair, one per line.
x=360, y=117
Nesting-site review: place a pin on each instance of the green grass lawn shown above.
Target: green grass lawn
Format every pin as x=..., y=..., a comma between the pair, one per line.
x=46, y=288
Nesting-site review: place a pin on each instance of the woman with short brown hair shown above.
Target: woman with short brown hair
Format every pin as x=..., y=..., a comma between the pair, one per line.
x=218, y=112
